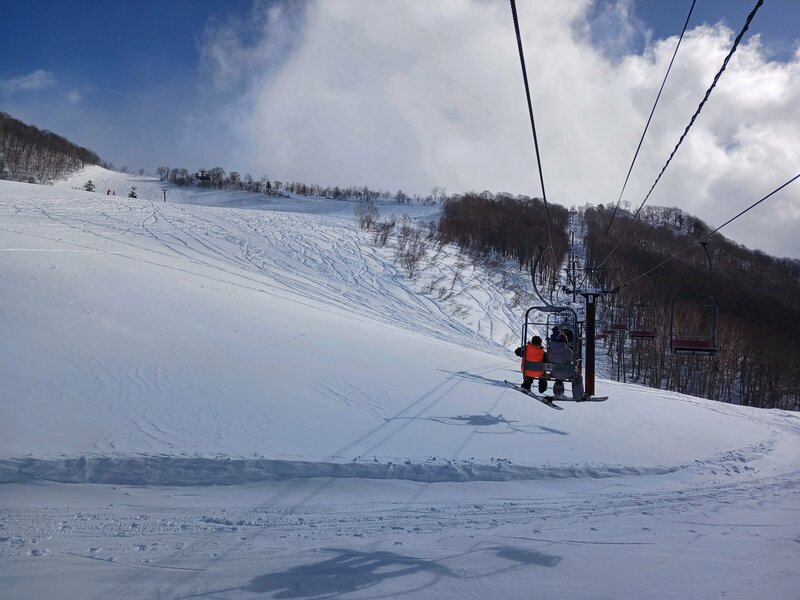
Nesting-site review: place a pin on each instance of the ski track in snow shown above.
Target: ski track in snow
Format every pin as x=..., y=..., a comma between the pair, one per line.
x=370, y=519
x=203, y=542
x=262, y=248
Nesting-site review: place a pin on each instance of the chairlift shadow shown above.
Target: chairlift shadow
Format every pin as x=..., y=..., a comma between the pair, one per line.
x=349, y=571
x=353, y=570
x=482, y=420
x=475, y=378
x=487, y=420
x=346, y=572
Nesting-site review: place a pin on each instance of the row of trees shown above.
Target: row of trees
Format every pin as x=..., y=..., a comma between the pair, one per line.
x=35, y=155
x=757, y=296
x=508, y=226
x=218, y=178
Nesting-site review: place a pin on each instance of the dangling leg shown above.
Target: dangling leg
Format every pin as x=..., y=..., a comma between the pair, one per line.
x=558, y=388
x=542, y=385
x=526, y=383
x=577, y=388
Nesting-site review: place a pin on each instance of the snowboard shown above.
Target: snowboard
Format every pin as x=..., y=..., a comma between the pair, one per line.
x=543, y=399
x=568, y=399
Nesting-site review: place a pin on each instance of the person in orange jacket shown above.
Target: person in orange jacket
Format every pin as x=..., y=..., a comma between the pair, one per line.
x=533, y=352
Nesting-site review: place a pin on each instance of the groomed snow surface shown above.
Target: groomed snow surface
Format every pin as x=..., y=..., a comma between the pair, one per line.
x=234, y=396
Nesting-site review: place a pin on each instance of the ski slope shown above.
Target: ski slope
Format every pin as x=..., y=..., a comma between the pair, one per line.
x=228, y=395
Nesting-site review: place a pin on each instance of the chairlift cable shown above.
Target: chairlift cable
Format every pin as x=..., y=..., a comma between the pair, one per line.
x=692, y=120
x=647, y=125
x=530, y=114
x=709, y=234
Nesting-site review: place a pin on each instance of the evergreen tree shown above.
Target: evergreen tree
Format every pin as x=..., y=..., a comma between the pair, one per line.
x=88, y=186
x=132, y=192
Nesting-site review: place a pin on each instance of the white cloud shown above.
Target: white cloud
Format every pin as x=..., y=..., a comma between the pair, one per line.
x=37, y=80
x=240, y=51
x=399, y=94
x=74, y=96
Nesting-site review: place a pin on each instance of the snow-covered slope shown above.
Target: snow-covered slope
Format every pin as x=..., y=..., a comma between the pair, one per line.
x=230, y=338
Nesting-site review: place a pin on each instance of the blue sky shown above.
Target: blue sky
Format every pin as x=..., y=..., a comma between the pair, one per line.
x=778, y=21
x=403, y=94
x=122, y=74
x=115, y=45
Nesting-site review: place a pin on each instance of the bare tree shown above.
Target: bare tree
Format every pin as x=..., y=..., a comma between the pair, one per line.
x=414, y=251
x=31, y=154
x=382, y=231
x=366, y=213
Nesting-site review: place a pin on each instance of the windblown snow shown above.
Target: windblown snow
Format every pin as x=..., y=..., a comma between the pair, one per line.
x=232, y=395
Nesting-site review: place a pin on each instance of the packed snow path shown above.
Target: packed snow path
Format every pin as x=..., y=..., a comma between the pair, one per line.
x=360, y=430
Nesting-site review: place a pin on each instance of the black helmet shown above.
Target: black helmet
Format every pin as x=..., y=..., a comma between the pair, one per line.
x=536, y=340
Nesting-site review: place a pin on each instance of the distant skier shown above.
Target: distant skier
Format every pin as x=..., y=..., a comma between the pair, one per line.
x=108, y=192
x=533, y=352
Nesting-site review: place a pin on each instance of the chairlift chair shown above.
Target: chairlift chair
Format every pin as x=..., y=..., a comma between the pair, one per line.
x=540, y=320
x=618, y=320
x=693, y=319
x=641, y=321
x=603, y=327
x=693, y=325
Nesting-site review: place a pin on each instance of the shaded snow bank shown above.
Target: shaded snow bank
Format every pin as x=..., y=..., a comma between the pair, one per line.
x=185, y=471
x=209, y=471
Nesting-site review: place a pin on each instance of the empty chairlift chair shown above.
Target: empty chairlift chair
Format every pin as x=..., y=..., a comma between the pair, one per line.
x=693, y=319
x=641, y=321
x=693, y=325
x=618, y=321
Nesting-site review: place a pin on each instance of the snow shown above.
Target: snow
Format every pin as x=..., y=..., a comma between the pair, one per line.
x=228, y=395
